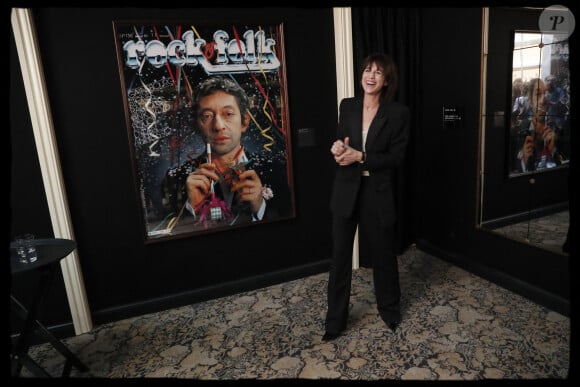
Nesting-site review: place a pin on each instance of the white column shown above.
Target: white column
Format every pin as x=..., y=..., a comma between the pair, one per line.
x=46, y=146
x=345, y=75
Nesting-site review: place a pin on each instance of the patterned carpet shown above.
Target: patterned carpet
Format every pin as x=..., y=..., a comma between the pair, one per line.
x=456, y=326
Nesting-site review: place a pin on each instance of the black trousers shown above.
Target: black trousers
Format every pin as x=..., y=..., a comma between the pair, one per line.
x=380, y=235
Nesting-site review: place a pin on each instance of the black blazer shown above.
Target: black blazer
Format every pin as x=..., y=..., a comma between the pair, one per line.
x=385, y=150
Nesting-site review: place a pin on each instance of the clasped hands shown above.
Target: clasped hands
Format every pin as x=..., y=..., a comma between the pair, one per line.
x=247, y=185
x=343, y=153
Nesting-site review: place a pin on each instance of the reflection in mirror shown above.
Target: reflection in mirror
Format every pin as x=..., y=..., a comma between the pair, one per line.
x=549, y=232
x=526, y=116
x=540, y=115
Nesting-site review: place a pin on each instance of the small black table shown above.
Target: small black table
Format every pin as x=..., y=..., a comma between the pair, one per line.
x=49, y=252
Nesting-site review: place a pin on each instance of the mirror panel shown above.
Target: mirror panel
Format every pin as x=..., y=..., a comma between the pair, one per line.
x=529, y=205
x=549, y=232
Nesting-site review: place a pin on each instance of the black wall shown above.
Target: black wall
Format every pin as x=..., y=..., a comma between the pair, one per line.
x=449, y=171
x=507, y=197
x=123, y=276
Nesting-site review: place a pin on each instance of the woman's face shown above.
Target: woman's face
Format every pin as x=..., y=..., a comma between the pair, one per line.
x=373, y=79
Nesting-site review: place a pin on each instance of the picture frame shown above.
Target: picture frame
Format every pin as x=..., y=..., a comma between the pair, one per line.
x=187, y=179
x=539, y=105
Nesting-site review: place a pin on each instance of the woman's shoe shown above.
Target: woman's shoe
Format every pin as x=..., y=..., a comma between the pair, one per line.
x=330, y=336
x=393, y=325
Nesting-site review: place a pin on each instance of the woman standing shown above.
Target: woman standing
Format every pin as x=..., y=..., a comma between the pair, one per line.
x=372, y=137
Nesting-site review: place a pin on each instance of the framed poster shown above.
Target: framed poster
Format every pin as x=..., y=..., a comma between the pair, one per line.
x=539, y=135
x=208, y=125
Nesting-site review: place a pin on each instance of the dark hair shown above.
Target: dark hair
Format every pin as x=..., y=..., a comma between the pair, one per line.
x=210, y=85
x=385, y=63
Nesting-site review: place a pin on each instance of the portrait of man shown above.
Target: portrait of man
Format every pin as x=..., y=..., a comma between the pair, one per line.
x=207, y=117
x=226, y=184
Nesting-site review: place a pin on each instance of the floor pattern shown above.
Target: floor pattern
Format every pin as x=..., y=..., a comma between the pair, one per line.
x=456, y=326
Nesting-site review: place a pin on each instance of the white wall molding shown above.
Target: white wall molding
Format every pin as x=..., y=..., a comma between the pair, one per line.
x=345, y=81
x=40, y=114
